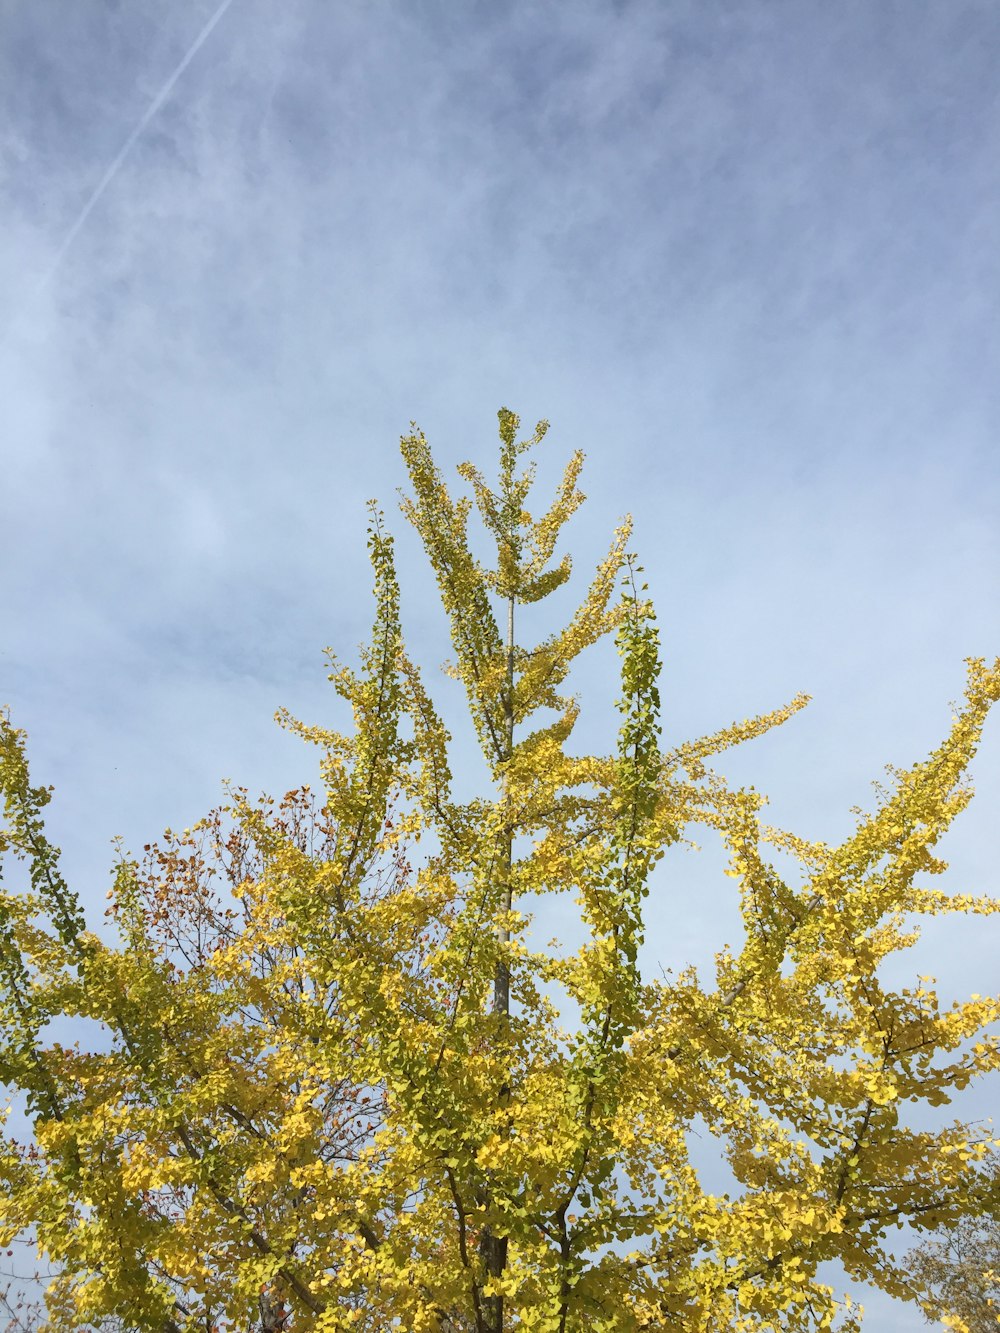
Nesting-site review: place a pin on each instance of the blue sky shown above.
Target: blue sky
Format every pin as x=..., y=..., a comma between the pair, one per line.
x=744, y=255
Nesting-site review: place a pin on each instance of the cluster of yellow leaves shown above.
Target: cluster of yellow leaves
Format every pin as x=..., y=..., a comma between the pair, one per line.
x=332, y=1091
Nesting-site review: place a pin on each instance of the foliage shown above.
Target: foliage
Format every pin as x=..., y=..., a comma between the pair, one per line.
x=959, y=1270
x=333, y=1090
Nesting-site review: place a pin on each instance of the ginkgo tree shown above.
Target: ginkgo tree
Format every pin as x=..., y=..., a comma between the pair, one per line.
x=329, y=1084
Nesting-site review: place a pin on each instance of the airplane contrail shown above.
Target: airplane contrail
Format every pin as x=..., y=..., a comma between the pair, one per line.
x=127, y=146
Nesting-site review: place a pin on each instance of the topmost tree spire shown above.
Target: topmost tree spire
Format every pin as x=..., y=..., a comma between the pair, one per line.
x=524, y=548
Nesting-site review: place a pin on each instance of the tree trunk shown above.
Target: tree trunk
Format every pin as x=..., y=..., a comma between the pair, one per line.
x=494, y=1248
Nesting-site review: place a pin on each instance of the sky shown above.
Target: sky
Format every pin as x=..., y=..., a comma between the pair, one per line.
x=743, y=255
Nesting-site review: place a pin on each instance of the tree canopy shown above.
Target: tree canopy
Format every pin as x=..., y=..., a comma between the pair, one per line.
x=330, y=1084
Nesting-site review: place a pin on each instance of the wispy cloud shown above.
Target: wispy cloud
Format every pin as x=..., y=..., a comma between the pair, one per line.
x=127, y=146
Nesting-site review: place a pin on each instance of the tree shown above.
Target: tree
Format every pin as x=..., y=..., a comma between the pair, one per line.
x=958, y=1272
x=334, y=1091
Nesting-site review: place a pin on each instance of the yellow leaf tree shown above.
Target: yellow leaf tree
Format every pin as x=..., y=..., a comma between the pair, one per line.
x=329, y=1085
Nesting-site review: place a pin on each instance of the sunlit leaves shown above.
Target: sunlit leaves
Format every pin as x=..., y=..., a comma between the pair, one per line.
x=297, y=1103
